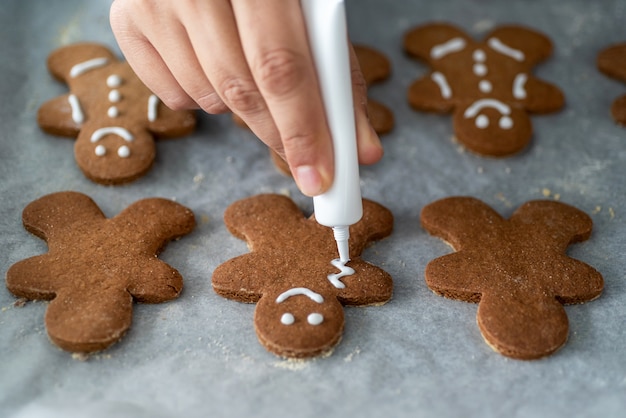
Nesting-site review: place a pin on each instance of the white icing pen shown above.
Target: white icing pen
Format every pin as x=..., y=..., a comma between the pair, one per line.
x=341, y=206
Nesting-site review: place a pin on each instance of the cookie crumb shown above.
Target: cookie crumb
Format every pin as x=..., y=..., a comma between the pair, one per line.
x=198, y=178
x=545, y=192
x=611, y=213
x=80, y=356
x=19, y=303
x=596, y=210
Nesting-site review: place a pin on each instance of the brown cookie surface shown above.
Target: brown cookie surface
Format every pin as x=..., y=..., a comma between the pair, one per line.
x=293, y=275
x=612, y=62
x=110, y=112
x=516, y=269
x=95, y=266
x=487, y=85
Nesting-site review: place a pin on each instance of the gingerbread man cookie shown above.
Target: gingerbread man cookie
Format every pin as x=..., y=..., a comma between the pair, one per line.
x=612, y=62
x=294, y=276
x=96, y=266
x=487, y=85
x=516, y=269
x=110, y=112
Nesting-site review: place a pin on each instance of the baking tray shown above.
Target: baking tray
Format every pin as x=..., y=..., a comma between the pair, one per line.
x=418, y=355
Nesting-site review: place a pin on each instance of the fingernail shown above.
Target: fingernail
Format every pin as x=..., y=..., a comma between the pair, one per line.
x=309, y=180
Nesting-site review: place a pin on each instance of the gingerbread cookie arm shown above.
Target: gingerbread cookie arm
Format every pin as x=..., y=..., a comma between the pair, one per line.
x=542, y=97
x=55, y=117
x=459, y=220
x=374, y=65
x=155, y=221
x=241, y=278
x=255, y=219
x=32, y=279
x=165, y=123
x=71, y=61
x=433, y=41
x=369, y=285
x=376, y=224
x=520, y=43
x=431, y=94
x=56, y=213
x=451, y=276
x=560, y=223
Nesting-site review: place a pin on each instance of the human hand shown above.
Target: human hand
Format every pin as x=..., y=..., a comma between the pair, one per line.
x=250, y=57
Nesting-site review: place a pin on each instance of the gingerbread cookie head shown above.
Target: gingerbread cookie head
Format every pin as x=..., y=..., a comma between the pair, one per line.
x=516, y=269
x=112, y=114
x=488, y=85
x=612, y=62
x=293, y=275
x=95, y=266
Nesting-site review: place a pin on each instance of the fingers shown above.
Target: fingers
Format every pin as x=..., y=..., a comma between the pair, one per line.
x=158, y=49
x=368, y=143
x=275, y=45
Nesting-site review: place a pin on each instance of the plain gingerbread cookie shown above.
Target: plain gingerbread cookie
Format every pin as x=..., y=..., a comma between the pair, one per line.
x=517, y=270
x=110, y=112
x=293, y=275
x=487, y=85
x=95, y=266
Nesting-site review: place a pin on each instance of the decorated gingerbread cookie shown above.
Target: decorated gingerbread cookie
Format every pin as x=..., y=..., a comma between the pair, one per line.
x=294, y=276
x=612, y=62
x=487, y=85
x=95, y=266
x=516, y=269
x=112, y=115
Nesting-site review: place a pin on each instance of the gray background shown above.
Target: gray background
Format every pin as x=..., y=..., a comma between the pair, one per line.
x=419, y=355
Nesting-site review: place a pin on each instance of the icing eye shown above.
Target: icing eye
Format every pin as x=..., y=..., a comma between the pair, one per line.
x=506, y=122
x=123, y=151
x=315, y=319
x=101, y=151
x=287, y=319
x=482, y=121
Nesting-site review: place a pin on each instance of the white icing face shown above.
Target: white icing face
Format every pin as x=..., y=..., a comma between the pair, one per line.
x=482, y=121
x=313, y=318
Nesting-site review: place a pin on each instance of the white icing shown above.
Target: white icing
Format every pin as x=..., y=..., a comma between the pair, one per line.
x=478, y=105
x=500, y=47
x=77, y=112
x=506, y=122
x=116, y=130
x=123, y=151
x=343, y=271
x=88, y=65
x=451, y=46
x=485, y=86
x=315, y=318
x=480, y=70
x=482, y=121
x=315, y=297
x=115, y=96
x=113, y=112
x=153, y=104
x=101, y=150
x=114, y=80
x=287, y=319
x=442, y=82
x=479, y=55
x=519, y=90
